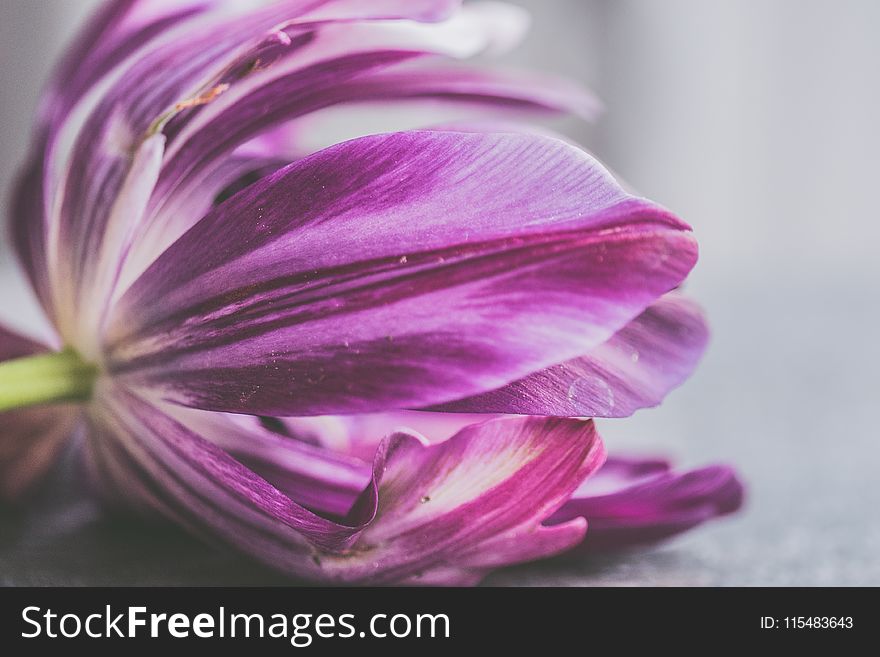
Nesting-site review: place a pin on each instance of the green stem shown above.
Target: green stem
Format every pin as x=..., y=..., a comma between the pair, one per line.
x=44, y=379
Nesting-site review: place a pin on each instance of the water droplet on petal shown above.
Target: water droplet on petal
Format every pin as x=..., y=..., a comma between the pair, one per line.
x=594, y=392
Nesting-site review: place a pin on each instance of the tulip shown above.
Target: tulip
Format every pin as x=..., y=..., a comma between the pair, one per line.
x=209, y=276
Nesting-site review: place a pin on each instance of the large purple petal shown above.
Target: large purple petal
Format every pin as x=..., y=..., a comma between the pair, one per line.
x=30, y=439
x=425, y=515
x=633, y=502
x=393, y=271
x=636, y=368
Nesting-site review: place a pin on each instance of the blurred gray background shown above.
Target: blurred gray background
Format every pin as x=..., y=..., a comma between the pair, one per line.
x=756, y=121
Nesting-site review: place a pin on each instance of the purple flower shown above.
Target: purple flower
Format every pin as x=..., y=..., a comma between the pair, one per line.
x=204, y=266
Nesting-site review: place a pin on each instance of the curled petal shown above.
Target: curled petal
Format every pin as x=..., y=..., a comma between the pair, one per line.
x=30, y=439
x=641, y=501
x=636, y=368
x=473, y=502
x=426, y=514
x=529, y=247
x=627, y=502
x=408, y=464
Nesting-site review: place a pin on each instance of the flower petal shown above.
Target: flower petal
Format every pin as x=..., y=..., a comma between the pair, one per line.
x=473, y=502
x=99, y=279
x=285, y=461
x=323, y=480
x=89, y=154
x=652, y=502
x=192, y=201
x=425, y=514
x=149, y=459
x=360, y=435
x=15, y=345
x=27, y=231
x=30, y=439
x=122, y=28
x=636, y=368
x=117, y=30
x=420, y=94
x=349, y=82
x=529, y=247
x=311, y=66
